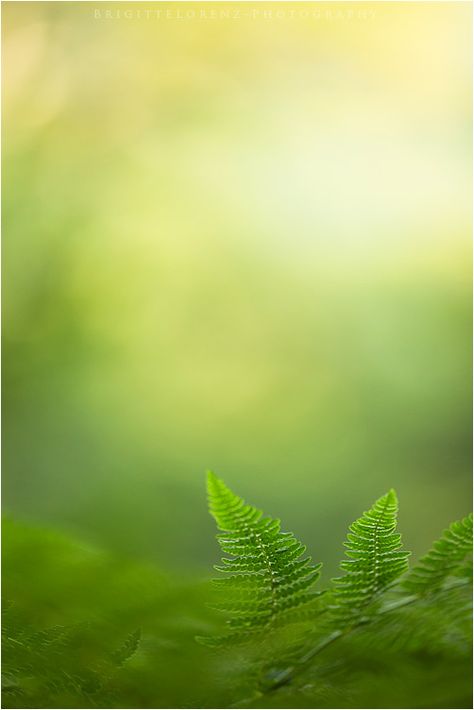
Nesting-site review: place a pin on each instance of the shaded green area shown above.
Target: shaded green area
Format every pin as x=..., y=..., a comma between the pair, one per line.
x=72, y=616
x=83, y=628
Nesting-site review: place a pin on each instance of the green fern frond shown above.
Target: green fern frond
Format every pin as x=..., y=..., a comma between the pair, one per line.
x=375, y=559
x=268, y=583
x=129, y=647
x=451, y=555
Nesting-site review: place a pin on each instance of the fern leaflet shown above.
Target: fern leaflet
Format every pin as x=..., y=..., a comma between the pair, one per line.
x=451, y=555
x=267, y=582
x=375, y=560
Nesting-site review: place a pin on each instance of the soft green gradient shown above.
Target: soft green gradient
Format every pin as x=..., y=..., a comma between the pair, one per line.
x=241, y=245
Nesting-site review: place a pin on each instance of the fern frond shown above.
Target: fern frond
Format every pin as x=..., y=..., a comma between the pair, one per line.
x=267, y=583
x=375, y=560
x=129, y=647
x=451, y=555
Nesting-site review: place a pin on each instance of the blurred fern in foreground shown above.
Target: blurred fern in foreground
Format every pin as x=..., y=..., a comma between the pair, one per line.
x=380, y=636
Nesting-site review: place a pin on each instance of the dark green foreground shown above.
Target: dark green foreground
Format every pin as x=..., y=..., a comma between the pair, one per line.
x=85, y=629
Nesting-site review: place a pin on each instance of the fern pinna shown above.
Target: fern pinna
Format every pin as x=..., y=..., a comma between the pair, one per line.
x=450, y=556
x=267, y=580
x=375, y=559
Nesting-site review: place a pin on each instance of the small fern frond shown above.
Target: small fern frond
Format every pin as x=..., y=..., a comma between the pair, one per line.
x=267, y=583
x=128, y=649
x=375, y=560
x=450, y=556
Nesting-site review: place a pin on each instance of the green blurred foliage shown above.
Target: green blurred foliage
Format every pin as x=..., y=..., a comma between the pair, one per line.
x=82, y=628
x=69, y=614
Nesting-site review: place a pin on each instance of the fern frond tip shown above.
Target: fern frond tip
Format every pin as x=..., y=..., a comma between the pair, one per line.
x=449, y=556
x=211, y=479
x=373, y=558
x=389, y=498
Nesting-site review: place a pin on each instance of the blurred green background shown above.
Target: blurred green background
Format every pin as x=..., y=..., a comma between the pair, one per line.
x=239, y=243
